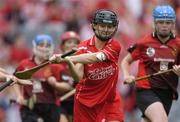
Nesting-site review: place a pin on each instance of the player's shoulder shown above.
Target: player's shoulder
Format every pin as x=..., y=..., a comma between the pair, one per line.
x=145, y=39
x=26, y=61
x=115, y=43
x=83, y=44
x=176, y=40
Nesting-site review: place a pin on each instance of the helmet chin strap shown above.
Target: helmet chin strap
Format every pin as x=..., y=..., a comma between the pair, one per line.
x=164, y=38
x=164, y=35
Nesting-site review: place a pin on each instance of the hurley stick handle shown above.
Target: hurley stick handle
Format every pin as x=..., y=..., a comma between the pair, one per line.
x=152, y=75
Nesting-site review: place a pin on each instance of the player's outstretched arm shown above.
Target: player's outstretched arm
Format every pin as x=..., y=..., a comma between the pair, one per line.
x=76, y=62
x=85, y=58
x=61, y=87
x=4, y=76
x=88, y=58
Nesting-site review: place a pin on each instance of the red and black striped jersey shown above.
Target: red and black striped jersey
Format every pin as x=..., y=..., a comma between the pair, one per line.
x=45, y=93
x=155, y=56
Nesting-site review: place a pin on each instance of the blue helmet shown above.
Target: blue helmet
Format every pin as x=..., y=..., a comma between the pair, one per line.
x=164, y=12
x=43, y=38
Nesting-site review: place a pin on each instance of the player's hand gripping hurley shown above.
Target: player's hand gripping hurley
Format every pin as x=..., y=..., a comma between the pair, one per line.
x=150, y=75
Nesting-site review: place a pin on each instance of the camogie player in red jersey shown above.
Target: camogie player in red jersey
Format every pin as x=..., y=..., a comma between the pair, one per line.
x=96, y=70
x=156, y=52
x=67, y=41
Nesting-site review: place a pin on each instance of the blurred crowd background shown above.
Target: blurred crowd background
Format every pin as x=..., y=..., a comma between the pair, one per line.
x=22, y=20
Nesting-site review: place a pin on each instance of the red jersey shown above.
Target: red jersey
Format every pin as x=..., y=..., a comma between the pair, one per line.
x=100, y=79
x=155, y=56
x=48, y=93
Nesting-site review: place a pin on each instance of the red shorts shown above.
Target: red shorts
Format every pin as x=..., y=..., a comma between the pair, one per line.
x=107, y=111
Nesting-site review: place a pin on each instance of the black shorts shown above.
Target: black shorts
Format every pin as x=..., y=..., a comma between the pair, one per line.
x=48, y=112
x=66, y=107
x=146, y=97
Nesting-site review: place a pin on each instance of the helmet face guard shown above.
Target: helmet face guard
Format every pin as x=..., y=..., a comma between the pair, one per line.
x=105, y=17
x=43, y=46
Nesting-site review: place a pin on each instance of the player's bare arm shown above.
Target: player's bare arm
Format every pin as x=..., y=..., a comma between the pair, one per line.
x=82, y=58
x=125, y=64
x=59, y=86
x=79, y=60
x=76, y=70
x=6, y=77
x=20, y=99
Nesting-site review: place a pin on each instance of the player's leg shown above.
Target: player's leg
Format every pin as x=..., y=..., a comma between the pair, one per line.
x=66, y=111
x=144, y=119
x=63, y=118
x=162, y=108
x=63, y=114
x=113, y=111
x=154, y=104
x=156, y=113
x=83, y=113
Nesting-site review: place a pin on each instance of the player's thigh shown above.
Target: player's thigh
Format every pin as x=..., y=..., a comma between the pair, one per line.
x=145, y=98
x=166, y=97
x=144, y=119
x=63, y=114
x=114, y=111
x=151, y=105
x=156, y=112
x=83, y=113
x=63, y=118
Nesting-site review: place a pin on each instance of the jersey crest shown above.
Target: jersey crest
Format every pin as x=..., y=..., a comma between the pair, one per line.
x=150, y=51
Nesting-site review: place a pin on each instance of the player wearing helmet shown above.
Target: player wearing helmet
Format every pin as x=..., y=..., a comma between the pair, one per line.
x=95, y=68
x=156, y=52
x=102, y=19
x=42, y=47
x=45, y=86
x=67, y=41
